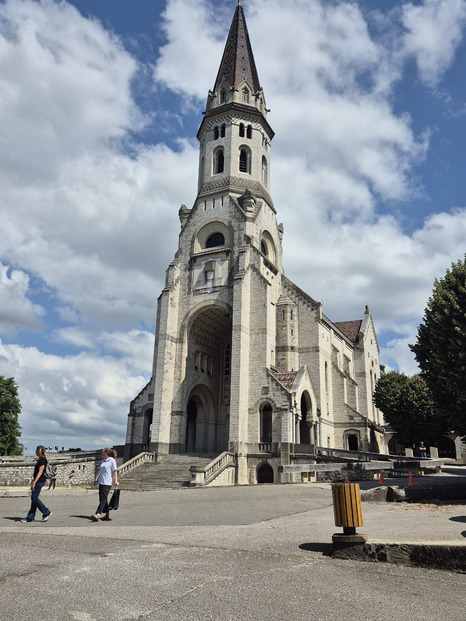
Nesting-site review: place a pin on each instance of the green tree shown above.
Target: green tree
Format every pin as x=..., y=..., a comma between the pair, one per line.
x=440, y=349
x=408, y=408
x=10, y=408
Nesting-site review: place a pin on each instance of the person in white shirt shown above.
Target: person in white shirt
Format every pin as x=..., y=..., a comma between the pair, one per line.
x=108, y=474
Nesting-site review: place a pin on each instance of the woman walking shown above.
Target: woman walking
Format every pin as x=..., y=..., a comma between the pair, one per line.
x=108, y=473
x=36, y=487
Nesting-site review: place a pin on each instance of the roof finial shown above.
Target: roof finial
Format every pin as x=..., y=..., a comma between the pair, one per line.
x=239, y=2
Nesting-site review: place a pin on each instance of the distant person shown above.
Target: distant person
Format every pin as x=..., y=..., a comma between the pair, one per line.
x=108, y=473
x=53, y=480
x=422, y=450
x=70, y=479
x=36, y=487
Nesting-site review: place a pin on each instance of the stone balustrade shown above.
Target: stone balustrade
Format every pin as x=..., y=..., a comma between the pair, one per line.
x=200, y=477
x=137, y=461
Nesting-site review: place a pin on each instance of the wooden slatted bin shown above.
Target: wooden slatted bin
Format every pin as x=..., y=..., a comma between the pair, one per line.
x=347, y=506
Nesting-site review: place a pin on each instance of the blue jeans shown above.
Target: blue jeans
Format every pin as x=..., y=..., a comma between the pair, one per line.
x=36, y=503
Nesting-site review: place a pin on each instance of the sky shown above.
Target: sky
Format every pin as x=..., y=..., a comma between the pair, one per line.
x=100, y=102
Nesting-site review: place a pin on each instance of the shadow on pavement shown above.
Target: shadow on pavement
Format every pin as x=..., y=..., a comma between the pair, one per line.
x=325, y=548
x=459, y=472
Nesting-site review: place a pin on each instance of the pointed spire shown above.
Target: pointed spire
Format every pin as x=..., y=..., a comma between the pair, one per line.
x=238, y=60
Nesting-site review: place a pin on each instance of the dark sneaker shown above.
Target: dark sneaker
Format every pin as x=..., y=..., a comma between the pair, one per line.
x=46, y=517
x=106, y=519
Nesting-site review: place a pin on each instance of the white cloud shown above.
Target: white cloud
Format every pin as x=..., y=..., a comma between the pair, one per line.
x=82, y=399
x=82, y=212
x=195, y=42
x=434, y=32
x=16, y=310
x=65, y=88
x=397, y=355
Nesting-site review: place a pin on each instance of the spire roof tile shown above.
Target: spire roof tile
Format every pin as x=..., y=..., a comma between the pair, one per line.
x=237, y=62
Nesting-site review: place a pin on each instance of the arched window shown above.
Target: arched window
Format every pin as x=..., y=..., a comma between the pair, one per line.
x=215, y=132
x=245, y=160
x=266, y=423
x=245, y=95
x=216, y=239
x=249, y=131
x=219, y=161
x=241, y=130
x=223, y=96
x=268, y=247
x=222, y=131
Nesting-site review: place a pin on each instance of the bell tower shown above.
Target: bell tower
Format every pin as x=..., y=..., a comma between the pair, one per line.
x=217, y=314
x=234, y=135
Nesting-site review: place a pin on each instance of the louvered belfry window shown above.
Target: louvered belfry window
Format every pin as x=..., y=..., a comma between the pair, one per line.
x=243, y=161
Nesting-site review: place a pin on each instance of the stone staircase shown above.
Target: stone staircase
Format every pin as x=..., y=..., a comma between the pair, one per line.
x=171, y=472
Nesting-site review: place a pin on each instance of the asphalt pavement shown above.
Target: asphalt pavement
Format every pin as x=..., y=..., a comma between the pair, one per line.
x=237, y=553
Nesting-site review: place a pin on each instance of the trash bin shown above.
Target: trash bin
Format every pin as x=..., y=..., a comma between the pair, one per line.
x=347, y=506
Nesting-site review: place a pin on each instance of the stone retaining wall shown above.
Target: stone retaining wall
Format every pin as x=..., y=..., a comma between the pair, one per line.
x=86, y=471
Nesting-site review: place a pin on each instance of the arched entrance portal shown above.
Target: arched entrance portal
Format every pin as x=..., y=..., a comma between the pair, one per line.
x=305, y=423
x=190, y=444
x=265, y=474
x=147, y=429
x=208, y=375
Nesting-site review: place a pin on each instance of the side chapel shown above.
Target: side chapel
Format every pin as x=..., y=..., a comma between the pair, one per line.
x=244, y=360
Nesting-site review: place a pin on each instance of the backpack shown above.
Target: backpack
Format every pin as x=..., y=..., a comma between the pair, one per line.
x=48, y=470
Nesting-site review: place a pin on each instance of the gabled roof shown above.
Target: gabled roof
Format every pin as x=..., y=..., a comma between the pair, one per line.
x=238, y=60
x=286, y=379
x=350, y=329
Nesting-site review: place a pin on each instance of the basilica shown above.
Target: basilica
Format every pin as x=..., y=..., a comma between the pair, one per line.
x=247, y=365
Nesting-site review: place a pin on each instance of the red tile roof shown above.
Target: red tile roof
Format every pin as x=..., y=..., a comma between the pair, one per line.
x=286, y=379
x=350, y=329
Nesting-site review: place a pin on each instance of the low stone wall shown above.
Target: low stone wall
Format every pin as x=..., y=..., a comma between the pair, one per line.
x=357, y=471
x=86, y=471
x=449, y=556
x=338, y=476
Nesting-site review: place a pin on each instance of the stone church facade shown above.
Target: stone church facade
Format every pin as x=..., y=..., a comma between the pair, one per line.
x=244, y=360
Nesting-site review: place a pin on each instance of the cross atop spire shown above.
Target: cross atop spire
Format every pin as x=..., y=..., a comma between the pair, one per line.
x=238, y=60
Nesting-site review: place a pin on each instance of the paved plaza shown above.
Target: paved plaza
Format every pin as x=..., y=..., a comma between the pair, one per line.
x=239, y=553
